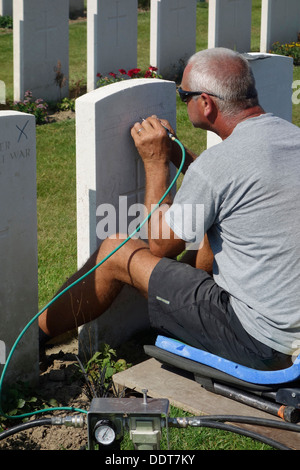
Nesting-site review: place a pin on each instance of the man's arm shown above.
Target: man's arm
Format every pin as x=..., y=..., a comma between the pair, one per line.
x=176, y=153
x=155, y=149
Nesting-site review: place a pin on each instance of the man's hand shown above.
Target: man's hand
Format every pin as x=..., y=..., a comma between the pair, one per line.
x=152, y=141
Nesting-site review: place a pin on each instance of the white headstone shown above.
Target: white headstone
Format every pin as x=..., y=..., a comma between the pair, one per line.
x=112, y=37
x=6, y=7
x=230, y=24
x=76, y=7
x=2, y=352
x=280, y=21
x=2, y=92
x=18, y=243
x=274, y=77
x=110, y=174
x=41, y=48
x=173, y=35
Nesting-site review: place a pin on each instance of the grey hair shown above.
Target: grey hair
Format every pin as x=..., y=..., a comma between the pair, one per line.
x=225, y=73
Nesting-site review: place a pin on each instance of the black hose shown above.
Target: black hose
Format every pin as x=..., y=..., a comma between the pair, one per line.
x=24, y=427
x=217, y=421
x=271, y=423
x=244, y=432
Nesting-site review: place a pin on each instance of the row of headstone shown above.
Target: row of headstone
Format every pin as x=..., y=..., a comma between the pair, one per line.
x=76, y=7
x=230, y=23
x=114, y=23
x=41, y=37
x=110, y=189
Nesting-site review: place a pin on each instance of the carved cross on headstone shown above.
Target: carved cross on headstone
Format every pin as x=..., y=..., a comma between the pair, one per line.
x=45, y=30
x=116, y=19
x=178, y=10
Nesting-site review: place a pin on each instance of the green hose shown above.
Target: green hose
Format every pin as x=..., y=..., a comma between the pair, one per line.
x=67, y=408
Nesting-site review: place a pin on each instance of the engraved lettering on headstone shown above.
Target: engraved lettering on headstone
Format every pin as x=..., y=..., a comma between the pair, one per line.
x=4, y=146
x=20, y=154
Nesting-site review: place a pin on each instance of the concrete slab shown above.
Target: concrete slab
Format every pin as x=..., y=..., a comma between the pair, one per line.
x=184, y=393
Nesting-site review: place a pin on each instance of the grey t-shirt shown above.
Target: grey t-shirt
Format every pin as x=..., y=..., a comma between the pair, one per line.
x=249, y=186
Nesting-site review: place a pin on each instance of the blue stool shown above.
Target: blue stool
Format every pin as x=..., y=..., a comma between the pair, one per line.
x=276, y=392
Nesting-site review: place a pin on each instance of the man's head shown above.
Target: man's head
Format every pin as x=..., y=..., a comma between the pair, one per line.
x=225, y=74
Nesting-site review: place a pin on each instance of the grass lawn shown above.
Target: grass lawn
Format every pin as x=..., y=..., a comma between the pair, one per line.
x=56, y=179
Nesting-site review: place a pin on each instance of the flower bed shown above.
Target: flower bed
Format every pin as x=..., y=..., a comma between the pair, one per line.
x=112, y=77
x=291, y=50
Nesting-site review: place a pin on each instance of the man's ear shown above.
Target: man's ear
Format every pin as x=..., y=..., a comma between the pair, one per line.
x=208, y=109
x=208, y=106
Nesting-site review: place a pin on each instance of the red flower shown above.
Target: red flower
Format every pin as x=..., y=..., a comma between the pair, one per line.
x=148, y=74
x=133, y=72
x=99, y=75
x=112, y=74
x=122, y=71
x=153, y=69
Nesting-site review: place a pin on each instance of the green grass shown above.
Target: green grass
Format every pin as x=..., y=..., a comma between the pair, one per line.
x=57, y=188
x=56, y=206
x=6, y=61
x=78, y=48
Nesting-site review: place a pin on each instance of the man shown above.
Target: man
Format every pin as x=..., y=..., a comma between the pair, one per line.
x=249, y=186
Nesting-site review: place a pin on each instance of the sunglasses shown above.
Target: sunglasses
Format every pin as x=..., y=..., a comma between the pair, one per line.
x=185, y=95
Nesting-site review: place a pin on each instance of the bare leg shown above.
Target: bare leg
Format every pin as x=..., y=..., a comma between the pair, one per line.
x=205, y=257
x=132, y=264
x=200, y=259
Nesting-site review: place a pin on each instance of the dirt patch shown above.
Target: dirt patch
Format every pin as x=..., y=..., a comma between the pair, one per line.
x=58, y=116
x=60, y=379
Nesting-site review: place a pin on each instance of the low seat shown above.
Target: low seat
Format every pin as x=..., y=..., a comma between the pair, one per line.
x=234, y=380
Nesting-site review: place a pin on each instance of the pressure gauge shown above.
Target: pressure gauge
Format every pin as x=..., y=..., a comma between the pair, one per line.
x=105, y=433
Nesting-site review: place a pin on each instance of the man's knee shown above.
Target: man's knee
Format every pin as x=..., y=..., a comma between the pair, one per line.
x=130, y=262
x=118, y=248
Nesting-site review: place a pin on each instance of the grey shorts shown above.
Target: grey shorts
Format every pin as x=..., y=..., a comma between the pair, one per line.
x=186, y=304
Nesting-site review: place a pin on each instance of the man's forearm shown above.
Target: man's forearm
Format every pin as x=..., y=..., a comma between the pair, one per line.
x=162, y=240
x=155, y=149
